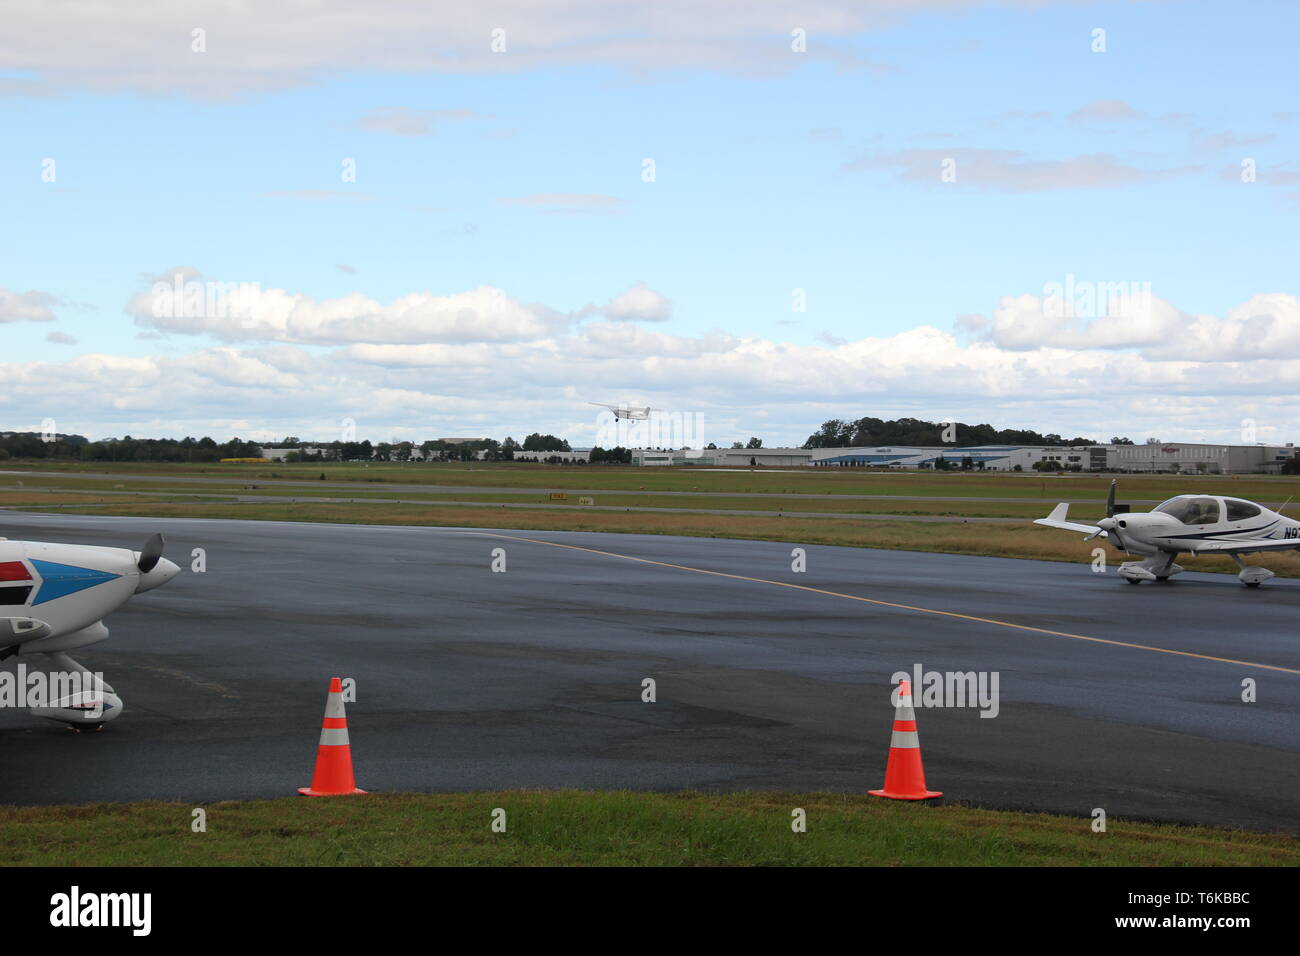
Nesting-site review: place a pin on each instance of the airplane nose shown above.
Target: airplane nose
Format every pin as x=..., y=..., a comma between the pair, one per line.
x=161, y=573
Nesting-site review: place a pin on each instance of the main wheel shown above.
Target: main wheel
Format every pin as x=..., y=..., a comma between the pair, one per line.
x=1133, y=580
x=1253, y=584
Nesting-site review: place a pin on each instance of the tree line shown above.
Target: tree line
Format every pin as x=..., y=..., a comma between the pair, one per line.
x=868, y=432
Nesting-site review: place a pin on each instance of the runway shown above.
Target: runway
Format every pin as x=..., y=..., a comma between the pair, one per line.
x=1113, y=696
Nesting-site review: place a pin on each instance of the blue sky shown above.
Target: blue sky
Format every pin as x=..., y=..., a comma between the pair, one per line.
x=775, y=171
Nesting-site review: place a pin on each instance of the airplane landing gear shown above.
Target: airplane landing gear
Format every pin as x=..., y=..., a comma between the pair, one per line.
x=1159, y=568
x=1252, y=575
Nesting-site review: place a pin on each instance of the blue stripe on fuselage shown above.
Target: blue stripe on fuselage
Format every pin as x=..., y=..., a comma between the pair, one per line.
x=60, y=580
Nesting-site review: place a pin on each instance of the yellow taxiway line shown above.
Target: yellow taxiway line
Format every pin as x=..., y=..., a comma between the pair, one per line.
x=901, y=607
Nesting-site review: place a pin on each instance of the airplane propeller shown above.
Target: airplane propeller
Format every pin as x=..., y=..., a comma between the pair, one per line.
x=1108, y=523
x=150, y=554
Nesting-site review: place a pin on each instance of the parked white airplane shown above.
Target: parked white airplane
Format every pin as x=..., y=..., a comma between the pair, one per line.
x=53, y=598
x=632, y=414
x=1196, y=524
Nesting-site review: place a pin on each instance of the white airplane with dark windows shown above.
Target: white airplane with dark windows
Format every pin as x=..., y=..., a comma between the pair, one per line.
x=53, y=598
x=1195, y=524
x=629, y=413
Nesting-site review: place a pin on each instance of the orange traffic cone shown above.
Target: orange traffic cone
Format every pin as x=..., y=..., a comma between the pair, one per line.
x=333, y=776
x=904, y=776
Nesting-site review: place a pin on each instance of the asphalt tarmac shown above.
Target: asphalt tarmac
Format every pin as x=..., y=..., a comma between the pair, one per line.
x=1109, y=695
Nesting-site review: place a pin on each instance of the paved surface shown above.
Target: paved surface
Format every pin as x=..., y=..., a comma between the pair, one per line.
x=468, y=679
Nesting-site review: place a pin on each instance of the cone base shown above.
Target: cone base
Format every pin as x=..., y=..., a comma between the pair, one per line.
x=926, y=795
x=309, y=792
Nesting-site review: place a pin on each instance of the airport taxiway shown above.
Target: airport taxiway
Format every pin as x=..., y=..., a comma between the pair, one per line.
x=1114, y=696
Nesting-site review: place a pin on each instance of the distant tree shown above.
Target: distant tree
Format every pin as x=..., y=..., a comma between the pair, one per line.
x=736, y=444
x=754, y=443
x=1121, y=441
x=538, y=442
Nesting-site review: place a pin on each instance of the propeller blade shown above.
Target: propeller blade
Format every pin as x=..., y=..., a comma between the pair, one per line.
x=153, y=549
x=1110, y=499
x=1093, y=535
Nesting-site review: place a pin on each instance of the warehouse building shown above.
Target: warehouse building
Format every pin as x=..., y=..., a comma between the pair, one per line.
x=1163, y=457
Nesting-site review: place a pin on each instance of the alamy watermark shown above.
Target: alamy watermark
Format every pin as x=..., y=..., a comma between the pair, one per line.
x=951, y=689
x=38, y=689
x=1075, y=299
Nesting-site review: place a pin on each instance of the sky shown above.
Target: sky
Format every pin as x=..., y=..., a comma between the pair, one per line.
x=415, y=220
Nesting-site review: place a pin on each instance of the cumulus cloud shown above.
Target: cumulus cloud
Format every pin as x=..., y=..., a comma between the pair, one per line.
x=1109, y=316
x=1064, y=362
x=640, y=303
x=182, y=302
x=61, y=338
x=33, y=306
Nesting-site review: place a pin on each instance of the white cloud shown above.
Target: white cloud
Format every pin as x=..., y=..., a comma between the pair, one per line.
x=404, y=121
x=640, y=302
x=1265, y=327
x=148, y=45
x=1162, y=371
x=33, y=306
x=233, y=311
x=1004, y=170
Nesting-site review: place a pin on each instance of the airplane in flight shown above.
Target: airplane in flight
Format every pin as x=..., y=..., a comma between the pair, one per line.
x=1194, y=524
x=631, y=414
x=53, y=598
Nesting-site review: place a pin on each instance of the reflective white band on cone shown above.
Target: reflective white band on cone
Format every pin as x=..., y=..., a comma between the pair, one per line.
x=905, y=740
x=338, y=737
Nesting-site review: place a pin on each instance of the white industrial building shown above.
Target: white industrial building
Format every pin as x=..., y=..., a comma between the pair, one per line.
x=578, y=454
x=1167, y=457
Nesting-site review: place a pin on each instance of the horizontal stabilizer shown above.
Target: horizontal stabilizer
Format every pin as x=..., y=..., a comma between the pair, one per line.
x=1057, y=519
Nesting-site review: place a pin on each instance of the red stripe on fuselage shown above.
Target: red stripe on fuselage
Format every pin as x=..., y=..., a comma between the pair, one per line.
x=14, y=571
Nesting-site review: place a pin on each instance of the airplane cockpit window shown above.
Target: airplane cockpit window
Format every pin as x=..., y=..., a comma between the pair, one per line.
x=1241, y=510
x=1191, y=510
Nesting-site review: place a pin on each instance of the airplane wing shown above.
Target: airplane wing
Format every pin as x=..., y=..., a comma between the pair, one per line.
x=1248, y=546
x=1057, y=519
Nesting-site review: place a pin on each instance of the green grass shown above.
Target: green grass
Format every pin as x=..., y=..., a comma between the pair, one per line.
x=161, y=495
x=608, y=828
x=774, y=481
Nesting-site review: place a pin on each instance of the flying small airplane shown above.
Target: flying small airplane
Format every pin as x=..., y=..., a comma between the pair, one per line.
x=631, y=414
x=1195, y=524
x=53, y=598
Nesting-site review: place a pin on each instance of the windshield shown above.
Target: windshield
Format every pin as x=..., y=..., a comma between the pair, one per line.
x=1191, y=510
